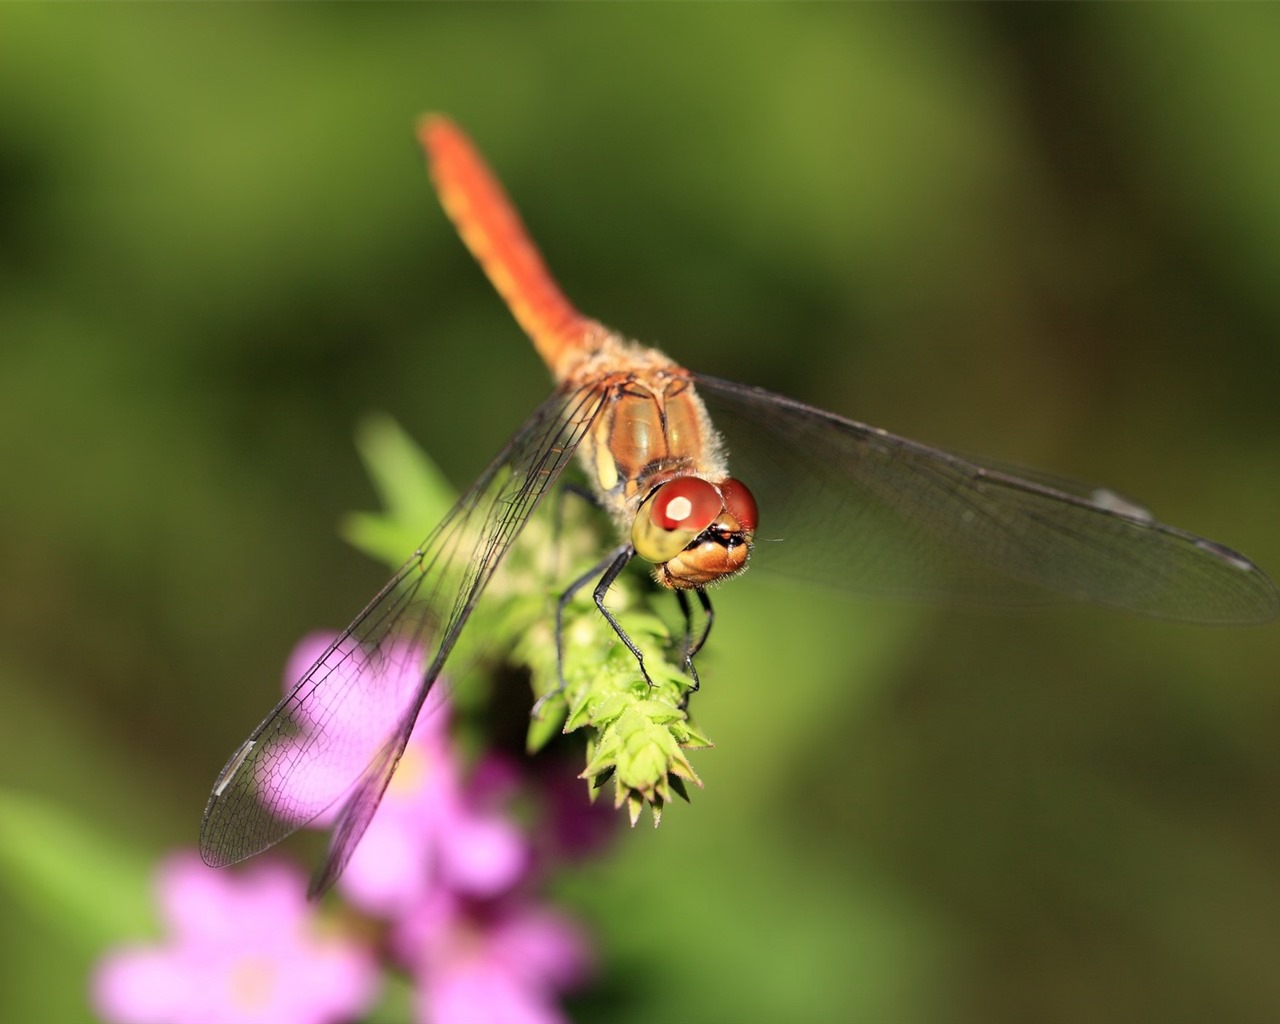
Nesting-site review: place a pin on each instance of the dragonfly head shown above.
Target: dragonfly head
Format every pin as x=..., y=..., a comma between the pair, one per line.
x=694, y=531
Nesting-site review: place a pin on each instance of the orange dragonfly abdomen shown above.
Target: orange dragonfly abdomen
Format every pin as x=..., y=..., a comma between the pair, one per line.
x=652, y=426
x=493, y=231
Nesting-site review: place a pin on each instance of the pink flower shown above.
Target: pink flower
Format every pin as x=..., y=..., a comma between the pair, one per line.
x=353, y=700
x=430, y=829
x=427, y=834
x=499, y=962
x=242, y=948
x=575, y=826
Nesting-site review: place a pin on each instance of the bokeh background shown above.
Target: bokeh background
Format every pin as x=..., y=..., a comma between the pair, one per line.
x=1050, y=236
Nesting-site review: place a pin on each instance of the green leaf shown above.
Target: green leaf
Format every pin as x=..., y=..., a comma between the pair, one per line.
x=415, y=494
x=544, y=728
x=81, y=880
x=397, y=1003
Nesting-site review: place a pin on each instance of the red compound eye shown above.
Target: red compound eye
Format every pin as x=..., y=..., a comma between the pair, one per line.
x=686, y=503
x=740, y=503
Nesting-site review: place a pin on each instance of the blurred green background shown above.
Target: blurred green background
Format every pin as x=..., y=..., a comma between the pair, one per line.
x=1049, y=235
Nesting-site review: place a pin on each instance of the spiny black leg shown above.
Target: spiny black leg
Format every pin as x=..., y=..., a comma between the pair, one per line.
x=682, y=599
x=603, y=565
x=625, y=554
x=690, y=647
x=704, y=599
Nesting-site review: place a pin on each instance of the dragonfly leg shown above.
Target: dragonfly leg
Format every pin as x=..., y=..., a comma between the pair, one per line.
x=692, y=647
x=610, y=567
x=621, y=557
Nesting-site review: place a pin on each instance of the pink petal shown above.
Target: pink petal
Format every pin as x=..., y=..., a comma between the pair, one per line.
x=542, y=946
x=483, y=856
x=391, y=868
x=138, y=986
x=329, y=984
x=194, y=898
x=477, y=993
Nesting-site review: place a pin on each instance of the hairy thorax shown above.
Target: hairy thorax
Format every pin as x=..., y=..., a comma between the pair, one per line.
x=652, y=427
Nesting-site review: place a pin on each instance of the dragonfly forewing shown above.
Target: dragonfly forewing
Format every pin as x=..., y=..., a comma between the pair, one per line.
x=331, y=745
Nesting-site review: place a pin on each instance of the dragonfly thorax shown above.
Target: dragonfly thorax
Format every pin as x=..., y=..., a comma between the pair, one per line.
x=651, y=427
x=658, y=466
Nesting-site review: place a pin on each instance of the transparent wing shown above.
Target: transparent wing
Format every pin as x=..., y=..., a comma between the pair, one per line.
x=336, y=738
x=854, y=507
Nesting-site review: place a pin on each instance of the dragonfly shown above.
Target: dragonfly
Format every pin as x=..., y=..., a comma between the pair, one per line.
x=846, y=505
